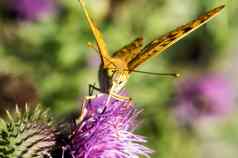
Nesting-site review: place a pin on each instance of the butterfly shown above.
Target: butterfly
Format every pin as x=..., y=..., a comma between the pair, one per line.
x=116, y=69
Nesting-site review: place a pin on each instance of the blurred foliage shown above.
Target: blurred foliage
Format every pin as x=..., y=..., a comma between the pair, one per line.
x=53, y=53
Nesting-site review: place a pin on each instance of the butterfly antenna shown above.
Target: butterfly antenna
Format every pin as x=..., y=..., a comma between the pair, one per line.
x=176, y=75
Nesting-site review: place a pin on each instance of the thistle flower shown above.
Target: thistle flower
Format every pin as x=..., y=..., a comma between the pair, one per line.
x=32, y=10
x=26, y=135
x=208, y=96
x=106, y=131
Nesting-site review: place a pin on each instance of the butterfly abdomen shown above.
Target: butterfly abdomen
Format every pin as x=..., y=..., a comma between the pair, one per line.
x=104, y=80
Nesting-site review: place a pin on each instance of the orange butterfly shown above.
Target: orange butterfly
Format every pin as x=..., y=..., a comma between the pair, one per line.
x=115, y=70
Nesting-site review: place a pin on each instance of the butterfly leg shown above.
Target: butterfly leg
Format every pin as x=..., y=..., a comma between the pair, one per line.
x=46, y=154
x=120, y=97
x=93, y=87
x=116, y=96
x=64, y=149
x=83, y=111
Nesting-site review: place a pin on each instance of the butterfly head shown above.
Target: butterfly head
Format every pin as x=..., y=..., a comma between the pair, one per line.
x=113, y=76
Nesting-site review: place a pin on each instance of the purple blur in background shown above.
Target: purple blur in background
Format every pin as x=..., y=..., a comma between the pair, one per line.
x=106, y=131
x=207, y=96
x=33, y=10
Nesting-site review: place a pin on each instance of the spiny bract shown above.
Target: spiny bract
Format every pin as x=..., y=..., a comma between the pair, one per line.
x=26, y=135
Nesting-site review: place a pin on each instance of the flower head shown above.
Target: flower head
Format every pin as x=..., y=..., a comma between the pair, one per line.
x=31, y=10
x=207, y=96
x=106, y=131
x=27, y=135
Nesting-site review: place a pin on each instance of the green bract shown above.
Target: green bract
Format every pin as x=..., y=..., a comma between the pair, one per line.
x=27, y=134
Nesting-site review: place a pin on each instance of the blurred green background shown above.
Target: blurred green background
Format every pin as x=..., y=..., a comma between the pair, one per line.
x=45, y=59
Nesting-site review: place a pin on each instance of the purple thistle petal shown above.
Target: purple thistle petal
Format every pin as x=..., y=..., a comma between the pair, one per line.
x=106, y=131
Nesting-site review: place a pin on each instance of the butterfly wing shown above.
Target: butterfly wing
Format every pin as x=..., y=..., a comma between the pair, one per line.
x=130, y=51
x=104, y=55
x=159, y=45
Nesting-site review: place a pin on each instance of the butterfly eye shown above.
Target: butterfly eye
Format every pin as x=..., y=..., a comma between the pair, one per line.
x=110, y=72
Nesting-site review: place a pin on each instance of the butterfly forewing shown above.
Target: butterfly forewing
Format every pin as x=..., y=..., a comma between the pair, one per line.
x=130, y=51
x=159, y=45
x=104, y=55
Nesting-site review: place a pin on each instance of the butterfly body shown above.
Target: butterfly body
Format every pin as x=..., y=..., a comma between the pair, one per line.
x=116, y=69
x=113, y=75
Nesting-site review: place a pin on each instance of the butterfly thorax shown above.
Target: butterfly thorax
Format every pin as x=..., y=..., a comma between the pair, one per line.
x=113, y=75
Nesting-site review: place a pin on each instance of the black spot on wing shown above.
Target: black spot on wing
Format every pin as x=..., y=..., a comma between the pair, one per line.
x=187, y=29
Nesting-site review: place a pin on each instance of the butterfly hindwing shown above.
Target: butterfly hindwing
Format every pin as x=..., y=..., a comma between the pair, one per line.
x=130, y=51
x=159, y=45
